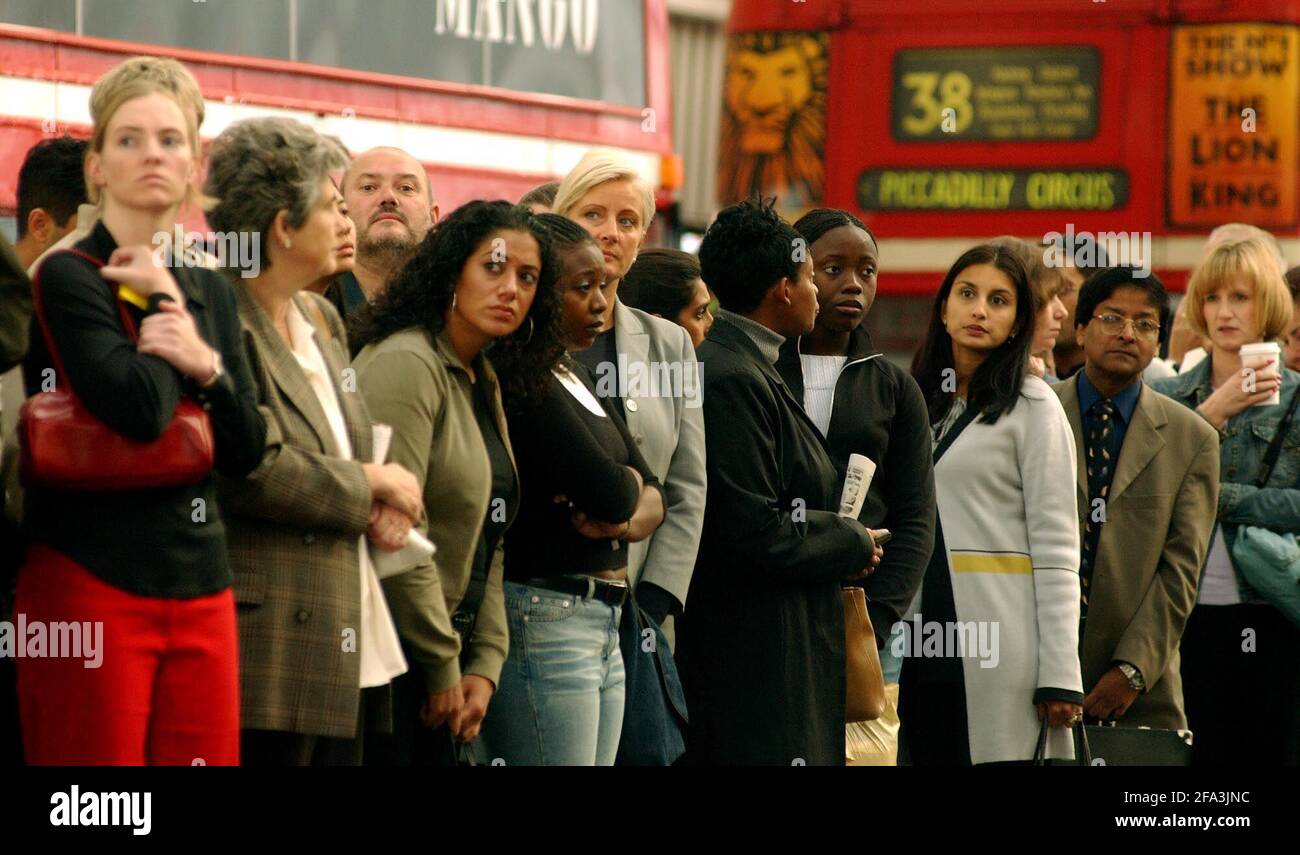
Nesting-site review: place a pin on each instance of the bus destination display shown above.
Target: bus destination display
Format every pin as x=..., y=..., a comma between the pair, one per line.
x=1006, y=94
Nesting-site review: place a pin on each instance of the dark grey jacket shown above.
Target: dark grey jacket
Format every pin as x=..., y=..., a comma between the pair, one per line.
x=761, y=646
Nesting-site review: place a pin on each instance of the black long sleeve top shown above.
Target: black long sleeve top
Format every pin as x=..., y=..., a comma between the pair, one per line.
x=15, y=308
x=563, y=448
x=164, y=542
x=879, y=412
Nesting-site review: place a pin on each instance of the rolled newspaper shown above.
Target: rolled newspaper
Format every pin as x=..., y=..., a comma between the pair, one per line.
x=418, y=548
x=856, y=482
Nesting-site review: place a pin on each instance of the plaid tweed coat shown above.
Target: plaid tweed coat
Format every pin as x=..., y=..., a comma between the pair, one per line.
x=293, y=526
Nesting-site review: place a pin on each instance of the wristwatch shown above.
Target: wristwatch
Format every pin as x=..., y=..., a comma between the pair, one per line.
x=217, y=370
x=1134, y=676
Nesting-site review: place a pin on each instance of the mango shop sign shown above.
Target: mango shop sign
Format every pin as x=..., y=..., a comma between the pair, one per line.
x=920, y=189
x=554, y=24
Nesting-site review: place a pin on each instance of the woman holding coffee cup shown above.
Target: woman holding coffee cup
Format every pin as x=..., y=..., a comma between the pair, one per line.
x=1236, y=645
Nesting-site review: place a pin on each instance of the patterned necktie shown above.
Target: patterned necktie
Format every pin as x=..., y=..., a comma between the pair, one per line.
x=1100, y=470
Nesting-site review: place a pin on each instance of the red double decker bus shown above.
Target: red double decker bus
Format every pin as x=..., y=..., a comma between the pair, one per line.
x=943, y=123
x=493, y=96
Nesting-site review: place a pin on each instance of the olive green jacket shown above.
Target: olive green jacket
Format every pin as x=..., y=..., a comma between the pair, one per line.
x=414, y=382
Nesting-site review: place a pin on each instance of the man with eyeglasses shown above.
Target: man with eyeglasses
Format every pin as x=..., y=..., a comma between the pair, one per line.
x=1148, y=481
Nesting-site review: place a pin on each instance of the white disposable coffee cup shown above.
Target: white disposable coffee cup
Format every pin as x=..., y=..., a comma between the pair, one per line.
x=1266, y=349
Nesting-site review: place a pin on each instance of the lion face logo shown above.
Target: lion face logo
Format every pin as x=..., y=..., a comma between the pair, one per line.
x=774, y=118
x=763, y=91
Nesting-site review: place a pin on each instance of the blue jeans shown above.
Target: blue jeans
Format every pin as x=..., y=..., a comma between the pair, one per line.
x=560, y=701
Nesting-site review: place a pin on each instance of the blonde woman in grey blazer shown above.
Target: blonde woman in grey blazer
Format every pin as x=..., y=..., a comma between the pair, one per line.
x=649, y=364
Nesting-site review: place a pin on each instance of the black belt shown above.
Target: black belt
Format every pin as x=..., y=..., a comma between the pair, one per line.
x=610, y=593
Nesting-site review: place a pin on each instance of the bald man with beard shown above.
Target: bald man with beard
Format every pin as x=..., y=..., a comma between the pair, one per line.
x=390, y=200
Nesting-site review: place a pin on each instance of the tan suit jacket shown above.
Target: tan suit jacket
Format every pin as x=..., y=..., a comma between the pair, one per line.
x=1158, y=519
x=293, y=527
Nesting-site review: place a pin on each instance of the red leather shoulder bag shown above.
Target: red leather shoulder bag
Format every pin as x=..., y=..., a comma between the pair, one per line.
x=64, y=446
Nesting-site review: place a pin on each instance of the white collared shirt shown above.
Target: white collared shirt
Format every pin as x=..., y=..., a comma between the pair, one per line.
x=381, y=651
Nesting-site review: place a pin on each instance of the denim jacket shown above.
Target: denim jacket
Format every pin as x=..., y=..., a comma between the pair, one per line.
x=1244, y=439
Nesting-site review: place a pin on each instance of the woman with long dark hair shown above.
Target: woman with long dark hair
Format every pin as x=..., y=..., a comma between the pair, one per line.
x=587, y=494
x=1001, y=593
x=480, y=281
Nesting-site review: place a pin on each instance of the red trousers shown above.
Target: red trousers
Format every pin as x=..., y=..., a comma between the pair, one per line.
x=166, y=689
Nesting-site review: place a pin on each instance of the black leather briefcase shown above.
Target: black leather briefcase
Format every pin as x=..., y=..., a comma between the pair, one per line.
x=1139, y=746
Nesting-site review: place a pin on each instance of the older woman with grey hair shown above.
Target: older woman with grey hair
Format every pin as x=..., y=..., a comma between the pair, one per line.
x=317, y=646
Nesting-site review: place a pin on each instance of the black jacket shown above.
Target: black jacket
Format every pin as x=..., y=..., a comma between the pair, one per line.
x=15, y=308
x=15, y=317
x=760, y=647
x=157, y=542
x=879, y=412
x=563, y=449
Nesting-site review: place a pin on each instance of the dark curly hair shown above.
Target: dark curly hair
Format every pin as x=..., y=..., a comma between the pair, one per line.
x=746, y=250
x=995, y=388
x=420, y=294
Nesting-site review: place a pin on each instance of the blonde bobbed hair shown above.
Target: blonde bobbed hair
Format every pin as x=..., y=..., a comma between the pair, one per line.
x=1254, y=259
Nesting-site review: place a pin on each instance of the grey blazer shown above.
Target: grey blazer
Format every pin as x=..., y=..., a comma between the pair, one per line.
x=667, y=423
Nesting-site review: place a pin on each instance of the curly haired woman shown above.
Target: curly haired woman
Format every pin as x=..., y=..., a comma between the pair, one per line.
x=478, y=280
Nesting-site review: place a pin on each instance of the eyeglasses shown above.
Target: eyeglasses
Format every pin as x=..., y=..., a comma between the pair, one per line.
x=1114, y=325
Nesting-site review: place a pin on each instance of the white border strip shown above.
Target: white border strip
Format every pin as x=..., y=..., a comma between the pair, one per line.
x=43, y=101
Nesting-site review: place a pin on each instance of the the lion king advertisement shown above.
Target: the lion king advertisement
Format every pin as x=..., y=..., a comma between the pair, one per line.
x=774, y=118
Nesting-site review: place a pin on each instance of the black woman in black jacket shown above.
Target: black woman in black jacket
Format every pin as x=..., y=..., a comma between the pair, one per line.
x=874, y=407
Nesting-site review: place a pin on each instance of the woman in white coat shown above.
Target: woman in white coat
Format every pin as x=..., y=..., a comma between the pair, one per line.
x=993, y=646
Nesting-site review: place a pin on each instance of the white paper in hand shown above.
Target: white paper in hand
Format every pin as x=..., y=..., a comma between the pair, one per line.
x=856, y=482
x=418, y=548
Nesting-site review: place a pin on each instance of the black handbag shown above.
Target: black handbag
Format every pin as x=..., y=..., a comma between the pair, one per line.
x=1082, y=752
x=1139, y=746
x=654, y=714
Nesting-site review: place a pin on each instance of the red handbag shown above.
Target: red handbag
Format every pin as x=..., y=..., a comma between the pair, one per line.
x=66, y=447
